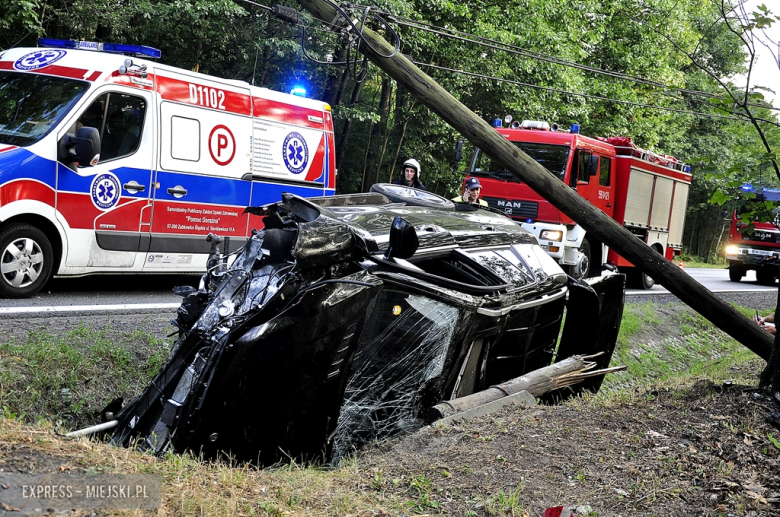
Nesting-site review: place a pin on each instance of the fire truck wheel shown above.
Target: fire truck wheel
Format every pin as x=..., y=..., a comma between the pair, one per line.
x=765, y=275
x=412, y=196
x=26, y=260
x=736, y=273
x=584, y=269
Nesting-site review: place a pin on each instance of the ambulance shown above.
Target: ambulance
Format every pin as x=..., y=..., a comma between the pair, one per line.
x=111, y=162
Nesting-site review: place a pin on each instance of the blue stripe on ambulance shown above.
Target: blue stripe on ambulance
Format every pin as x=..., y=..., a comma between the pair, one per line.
x=20, y=163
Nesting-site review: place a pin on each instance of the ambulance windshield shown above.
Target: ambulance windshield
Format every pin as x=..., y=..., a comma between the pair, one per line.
x=32, y=104
x=551, y=157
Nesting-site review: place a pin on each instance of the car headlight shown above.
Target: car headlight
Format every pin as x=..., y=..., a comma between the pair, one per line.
x=551, y=235
x=732, y=250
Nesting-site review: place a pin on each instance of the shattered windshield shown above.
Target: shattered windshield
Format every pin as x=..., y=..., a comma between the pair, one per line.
x=551, y=157
x=32, y=104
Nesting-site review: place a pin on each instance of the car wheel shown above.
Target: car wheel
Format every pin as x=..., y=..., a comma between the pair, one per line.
x=736, y=273
x=412, y=196
x=26, y=260
x=765, y=275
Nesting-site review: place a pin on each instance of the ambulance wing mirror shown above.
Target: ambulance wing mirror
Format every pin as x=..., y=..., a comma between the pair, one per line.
x=86, y=147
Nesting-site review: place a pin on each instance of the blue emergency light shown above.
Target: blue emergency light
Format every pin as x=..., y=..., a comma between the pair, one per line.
x=117, y=48
x=497, y=123
x=300, y=91
x=575, y=128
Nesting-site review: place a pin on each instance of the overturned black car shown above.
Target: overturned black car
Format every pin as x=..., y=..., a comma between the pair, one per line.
x=347, y=317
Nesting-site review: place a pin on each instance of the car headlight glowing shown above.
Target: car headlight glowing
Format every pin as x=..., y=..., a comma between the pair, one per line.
x=732, y=250
x=551, y=235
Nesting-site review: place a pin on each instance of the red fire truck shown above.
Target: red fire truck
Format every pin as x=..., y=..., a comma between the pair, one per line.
x=645, y=192
x=758, y=250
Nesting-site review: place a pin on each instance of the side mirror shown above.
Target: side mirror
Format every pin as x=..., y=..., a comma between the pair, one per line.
x=458, y=153
x=85, y=147
x=593, y=165
x=403, y=239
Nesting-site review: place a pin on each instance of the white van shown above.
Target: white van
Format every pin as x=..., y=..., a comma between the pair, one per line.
x=117, y=164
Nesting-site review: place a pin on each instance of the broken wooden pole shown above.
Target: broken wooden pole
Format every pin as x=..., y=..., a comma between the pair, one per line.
x=568, y=372
x=598, y=224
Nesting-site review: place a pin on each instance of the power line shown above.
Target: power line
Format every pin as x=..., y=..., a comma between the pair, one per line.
x=590, y=96
x=528, y=53
x=514, y=49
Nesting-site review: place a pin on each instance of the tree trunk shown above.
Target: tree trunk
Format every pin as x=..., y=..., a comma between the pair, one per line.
x=568, y=372
x=336, y=80
x=347, y=126
x=593, y=220
x=375, y=136
x=397, y=151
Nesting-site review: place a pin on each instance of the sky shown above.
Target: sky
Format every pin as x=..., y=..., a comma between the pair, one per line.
x=765, y=71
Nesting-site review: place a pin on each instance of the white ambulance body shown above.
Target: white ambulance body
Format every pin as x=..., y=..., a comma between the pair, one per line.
x=181, y=155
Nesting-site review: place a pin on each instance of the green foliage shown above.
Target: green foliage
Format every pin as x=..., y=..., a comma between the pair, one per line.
x=525, y=69
x=73, y=377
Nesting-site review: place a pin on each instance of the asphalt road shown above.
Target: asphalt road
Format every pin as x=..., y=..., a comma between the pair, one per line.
x=152, y=294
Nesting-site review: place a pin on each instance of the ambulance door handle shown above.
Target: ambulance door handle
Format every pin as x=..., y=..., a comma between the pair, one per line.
x=609, y=205
x=134, y=187
x=177, y=191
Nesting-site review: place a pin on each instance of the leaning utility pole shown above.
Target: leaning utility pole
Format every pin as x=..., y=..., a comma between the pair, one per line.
x=595, y=222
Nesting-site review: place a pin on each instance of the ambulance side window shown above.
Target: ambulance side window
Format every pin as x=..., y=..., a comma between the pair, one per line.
x=185, y=139
x=119, y=119
x=604, y=171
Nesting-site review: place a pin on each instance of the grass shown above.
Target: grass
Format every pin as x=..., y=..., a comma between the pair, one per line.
x=658, y=348
x=715, y=262
x=72, y=377
x=662, y=346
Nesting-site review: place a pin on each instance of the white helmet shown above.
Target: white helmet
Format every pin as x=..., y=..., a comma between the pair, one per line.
x=411, y=162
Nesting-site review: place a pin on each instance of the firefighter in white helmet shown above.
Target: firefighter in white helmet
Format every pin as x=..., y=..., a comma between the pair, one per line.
x=410, y=175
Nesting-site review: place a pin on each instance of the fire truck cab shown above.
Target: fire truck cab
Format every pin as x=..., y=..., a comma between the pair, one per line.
x=111, y=162
x=645, y=192
x=759, y=249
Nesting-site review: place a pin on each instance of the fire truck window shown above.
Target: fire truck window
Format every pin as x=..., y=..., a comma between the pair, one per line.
x=121, y=135
x=185, y=139
x=551, y=157
x=604, y=174
x=582, y=167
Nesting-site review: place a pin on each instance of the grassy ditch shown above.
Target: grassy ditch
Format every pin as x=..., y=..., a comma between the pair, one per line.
x=672, y=342
x=72, y=377
x=665, y=347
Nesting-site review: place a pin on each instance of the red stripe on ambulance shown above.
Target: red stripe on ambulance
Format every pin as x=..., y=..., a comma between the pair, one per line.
x=26, y=189
x=287, y=113
x=203, y=96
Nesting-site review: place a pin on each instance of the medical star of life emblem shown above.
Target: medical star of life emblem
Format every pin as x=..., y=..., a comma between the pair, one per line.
x=105, y=191
x=38, y=59
x=295, y=153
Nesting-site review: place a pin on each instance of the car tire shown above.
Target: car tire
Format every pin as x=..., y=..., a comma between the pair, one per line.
x=736, y=273
x=765, y=275
x=412, y=196
x=26, y=260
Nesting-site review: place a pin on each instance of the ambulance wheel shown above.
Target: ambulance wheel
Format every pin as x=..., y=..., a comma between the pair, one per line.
x=412, y=196
x=736, y=273
x=765, y=275
x=26, y=260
